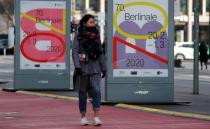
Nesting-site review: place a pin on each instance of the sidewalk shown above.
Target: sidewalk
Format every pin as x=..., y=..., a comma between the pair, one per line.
x=183, y=91
x=19, y=111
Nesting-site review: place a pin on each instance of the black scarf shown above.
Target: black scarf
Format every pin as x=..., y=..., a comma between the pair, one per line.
x=89, y=39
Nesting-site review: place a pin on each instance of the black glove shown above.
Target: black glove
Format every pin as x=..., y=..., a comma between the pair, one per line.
x=103, y=74
x=78, y=71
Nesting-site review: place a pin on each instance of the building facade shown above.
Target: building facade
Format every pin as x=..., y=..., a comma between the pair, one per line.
x=184, y=17
x=184, y=20
x=81, y=7
x=3, y=25
x=94, y=7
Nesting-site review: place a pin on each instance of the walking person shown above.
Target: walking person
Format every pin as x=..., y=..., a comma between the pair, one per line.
x=89, y=65
x=203, y=49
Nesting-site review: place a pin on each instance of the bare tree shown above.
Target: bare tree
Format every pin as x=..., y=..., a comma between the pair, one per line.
x=7, y=10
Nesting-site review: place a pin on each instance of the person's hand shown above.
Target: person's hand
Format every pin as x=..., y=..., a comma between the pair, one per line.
x=78, y=71
x=103, y=74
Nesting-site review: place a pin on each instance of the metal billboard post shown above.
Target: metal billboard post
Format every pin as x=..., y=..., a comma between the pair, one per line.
x=140, y=51
x=42, y=53
x=196, y=48
x=209, y=29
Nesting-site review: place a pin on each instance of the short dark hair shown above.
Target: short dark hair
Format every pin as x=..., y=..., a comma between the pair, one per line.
x=85, y=19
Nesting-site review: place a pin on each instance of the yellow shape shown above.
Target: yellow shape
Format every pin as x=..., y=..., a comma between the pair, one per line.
x=64, y=21
x=44, y=24
x=167, y=112
x=140, y=4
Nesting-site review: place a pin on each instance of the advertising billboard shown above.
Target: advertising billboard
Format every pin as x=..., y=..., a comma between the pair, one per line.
x=42, y=35
x=140, y=38
x=140, y=58
x=42, y=45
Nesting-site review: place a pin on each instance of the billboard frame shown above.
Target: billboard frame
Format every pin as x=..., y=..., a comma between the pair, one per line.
x=41, y=79
x=119, y=87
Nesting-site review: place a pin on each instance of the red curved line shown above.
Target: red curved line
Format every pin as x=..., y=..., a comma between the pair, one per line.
x=115, y=53
x=156, y=57
x=48, y=34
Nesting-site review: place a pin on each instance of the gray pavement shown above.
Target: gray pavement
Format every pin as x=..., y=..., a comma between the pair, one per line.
x=183, y=87
x=6, y=71
x=184, y=91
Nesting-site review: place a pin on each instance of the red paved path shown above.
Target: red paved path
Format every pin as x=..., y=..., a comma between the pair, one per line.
x=19, y=111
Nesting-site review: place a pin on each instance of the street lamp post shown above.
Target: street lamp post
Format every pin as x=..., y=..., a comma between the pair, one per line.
x=196, y=48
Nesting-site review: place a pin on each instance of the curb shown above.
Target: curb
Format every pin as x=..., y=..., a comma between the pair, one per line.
x=48, y=95
x=166, y=112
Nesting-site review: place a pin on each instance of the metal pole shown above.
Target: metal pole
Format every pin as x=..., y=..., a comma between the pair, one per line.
x=5, y=51
x=209, y=28
x=189, y=27
x=87, y=5
x=102, y=21
x=196, y=48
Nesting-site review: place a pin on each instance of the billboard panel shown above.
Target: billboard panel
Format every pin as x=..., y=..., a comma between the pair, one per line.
x=42, y=35
x=140, y=55
x=140, y=38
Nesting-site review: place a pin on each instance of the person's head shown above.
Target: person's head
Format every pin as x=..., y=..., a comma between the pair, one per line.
x=87, y=21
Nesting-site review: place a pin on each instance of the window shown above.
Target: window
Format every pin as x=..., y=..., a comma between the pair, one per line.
x=183, y=6
x=80, y=5
x=188, y=45
x=200, y=6
x=208, y=5
x=95, y=5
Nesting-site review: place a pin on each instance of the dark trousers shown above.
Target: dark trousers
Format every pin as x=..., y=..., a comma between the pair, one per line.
x=95, y=85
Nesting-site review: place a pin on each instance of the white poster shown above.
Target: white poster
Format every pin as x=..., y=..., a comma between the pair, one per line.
x=43, y=35
x=140, y=38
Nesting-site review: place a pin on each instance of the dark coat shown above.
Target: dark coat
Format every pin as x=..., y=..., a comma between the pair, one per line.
x=88, y=67
x=203, y=49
